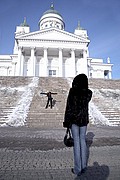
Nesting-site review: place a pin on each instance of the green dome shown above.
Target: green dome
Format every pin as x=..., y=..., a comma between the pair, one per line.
x=51, y=10
x=51, y=18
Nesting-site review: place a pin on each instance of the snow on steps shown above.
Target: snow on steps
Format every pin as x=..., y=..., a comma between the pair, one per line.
x=21, y=103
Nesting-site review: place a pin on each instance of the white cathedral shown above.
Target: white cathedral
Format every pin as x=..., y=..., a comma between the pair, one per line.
x=52, y=51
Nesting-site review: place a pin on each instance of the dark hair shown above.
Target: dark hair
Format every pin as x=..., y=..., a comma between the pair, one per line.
x=80, y=82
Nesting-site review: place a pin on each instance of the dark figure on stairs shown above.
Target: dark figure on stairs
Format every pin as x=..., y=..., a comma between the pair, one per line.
x=49, y=100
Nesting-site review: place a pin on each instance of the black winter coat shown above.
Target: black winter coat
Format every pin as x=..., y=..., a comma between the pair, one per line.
x=77, y=107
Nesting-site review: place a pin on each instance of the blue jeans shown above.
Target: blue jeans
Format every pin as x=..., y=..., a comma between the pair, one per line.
x=80, y=148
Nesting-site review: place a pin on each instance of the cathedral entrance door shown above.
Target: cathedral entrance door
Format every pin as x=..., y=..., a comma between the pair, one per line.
x=53, y=73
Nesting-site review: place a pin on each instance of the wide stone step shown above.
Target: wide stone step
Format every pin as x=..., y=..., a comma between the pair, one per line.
x=114, y=123
x=111, y=113
x=44, y=113
x=112, y=116
x=46, y=125
x=42, y=118
x=117, y=120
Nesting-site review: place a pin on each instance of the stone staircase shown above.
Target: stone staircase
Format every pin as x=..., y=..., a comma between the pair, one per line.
x=112, y=115
x=31, y=107
x=106, y=96
x=38, y=115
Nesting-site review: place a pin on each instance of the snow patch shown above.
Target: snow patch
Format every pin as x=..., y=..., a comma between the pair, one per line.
x=10, y=89
x=96, y=116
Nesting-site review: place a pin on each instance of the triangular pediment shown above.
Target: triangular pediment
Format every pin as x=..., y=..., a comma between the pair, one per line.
x=52, y=34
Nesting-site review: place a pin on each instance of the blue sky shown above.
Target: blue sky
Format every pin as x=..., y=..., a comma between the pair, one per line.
x=101, y=18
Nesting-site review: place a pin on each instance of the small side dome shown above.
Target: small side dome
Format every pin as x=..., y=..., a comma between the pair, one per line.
x=51, y=18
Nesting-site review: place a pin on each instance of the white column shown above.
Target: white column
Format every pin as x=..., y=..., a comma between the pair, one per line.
x=60, y=63
x=18, y=66
x=22, y=64
x=32, y=62
x=45, y=63
x=73, y=69
x=35, y=66
x=39, y=67
x=84, y=68
x=8, y=71
x=14, y=68
x=110, y=75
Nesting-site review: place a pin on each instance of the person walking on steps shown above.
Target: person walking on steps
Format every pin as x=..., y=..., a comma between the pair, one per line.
x=76, y=118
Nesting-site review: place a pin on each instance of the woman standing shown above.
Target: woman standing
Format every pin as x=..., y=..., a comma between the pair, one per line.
x=77, y=118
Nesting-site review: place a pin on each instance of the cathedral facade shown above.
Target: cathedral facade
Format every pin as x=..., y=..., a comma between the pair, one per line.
x=52, y=51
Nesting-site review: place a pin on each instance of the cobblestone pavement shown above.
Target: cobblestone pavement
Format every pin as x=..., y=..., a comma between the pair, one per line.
x=39, y=154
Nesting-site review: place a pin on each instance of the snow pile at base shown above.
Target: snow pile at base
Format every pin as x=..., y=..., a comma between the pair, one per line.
x=96, y=116
x=19, y=113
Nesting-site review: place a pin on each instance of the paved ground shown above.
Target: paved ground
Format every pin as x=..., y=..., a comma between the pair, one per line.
x=39, y=154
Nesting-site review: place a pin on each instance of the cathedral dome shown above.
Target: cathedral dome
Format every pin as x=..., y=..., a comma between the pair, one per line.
x=51, y=18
